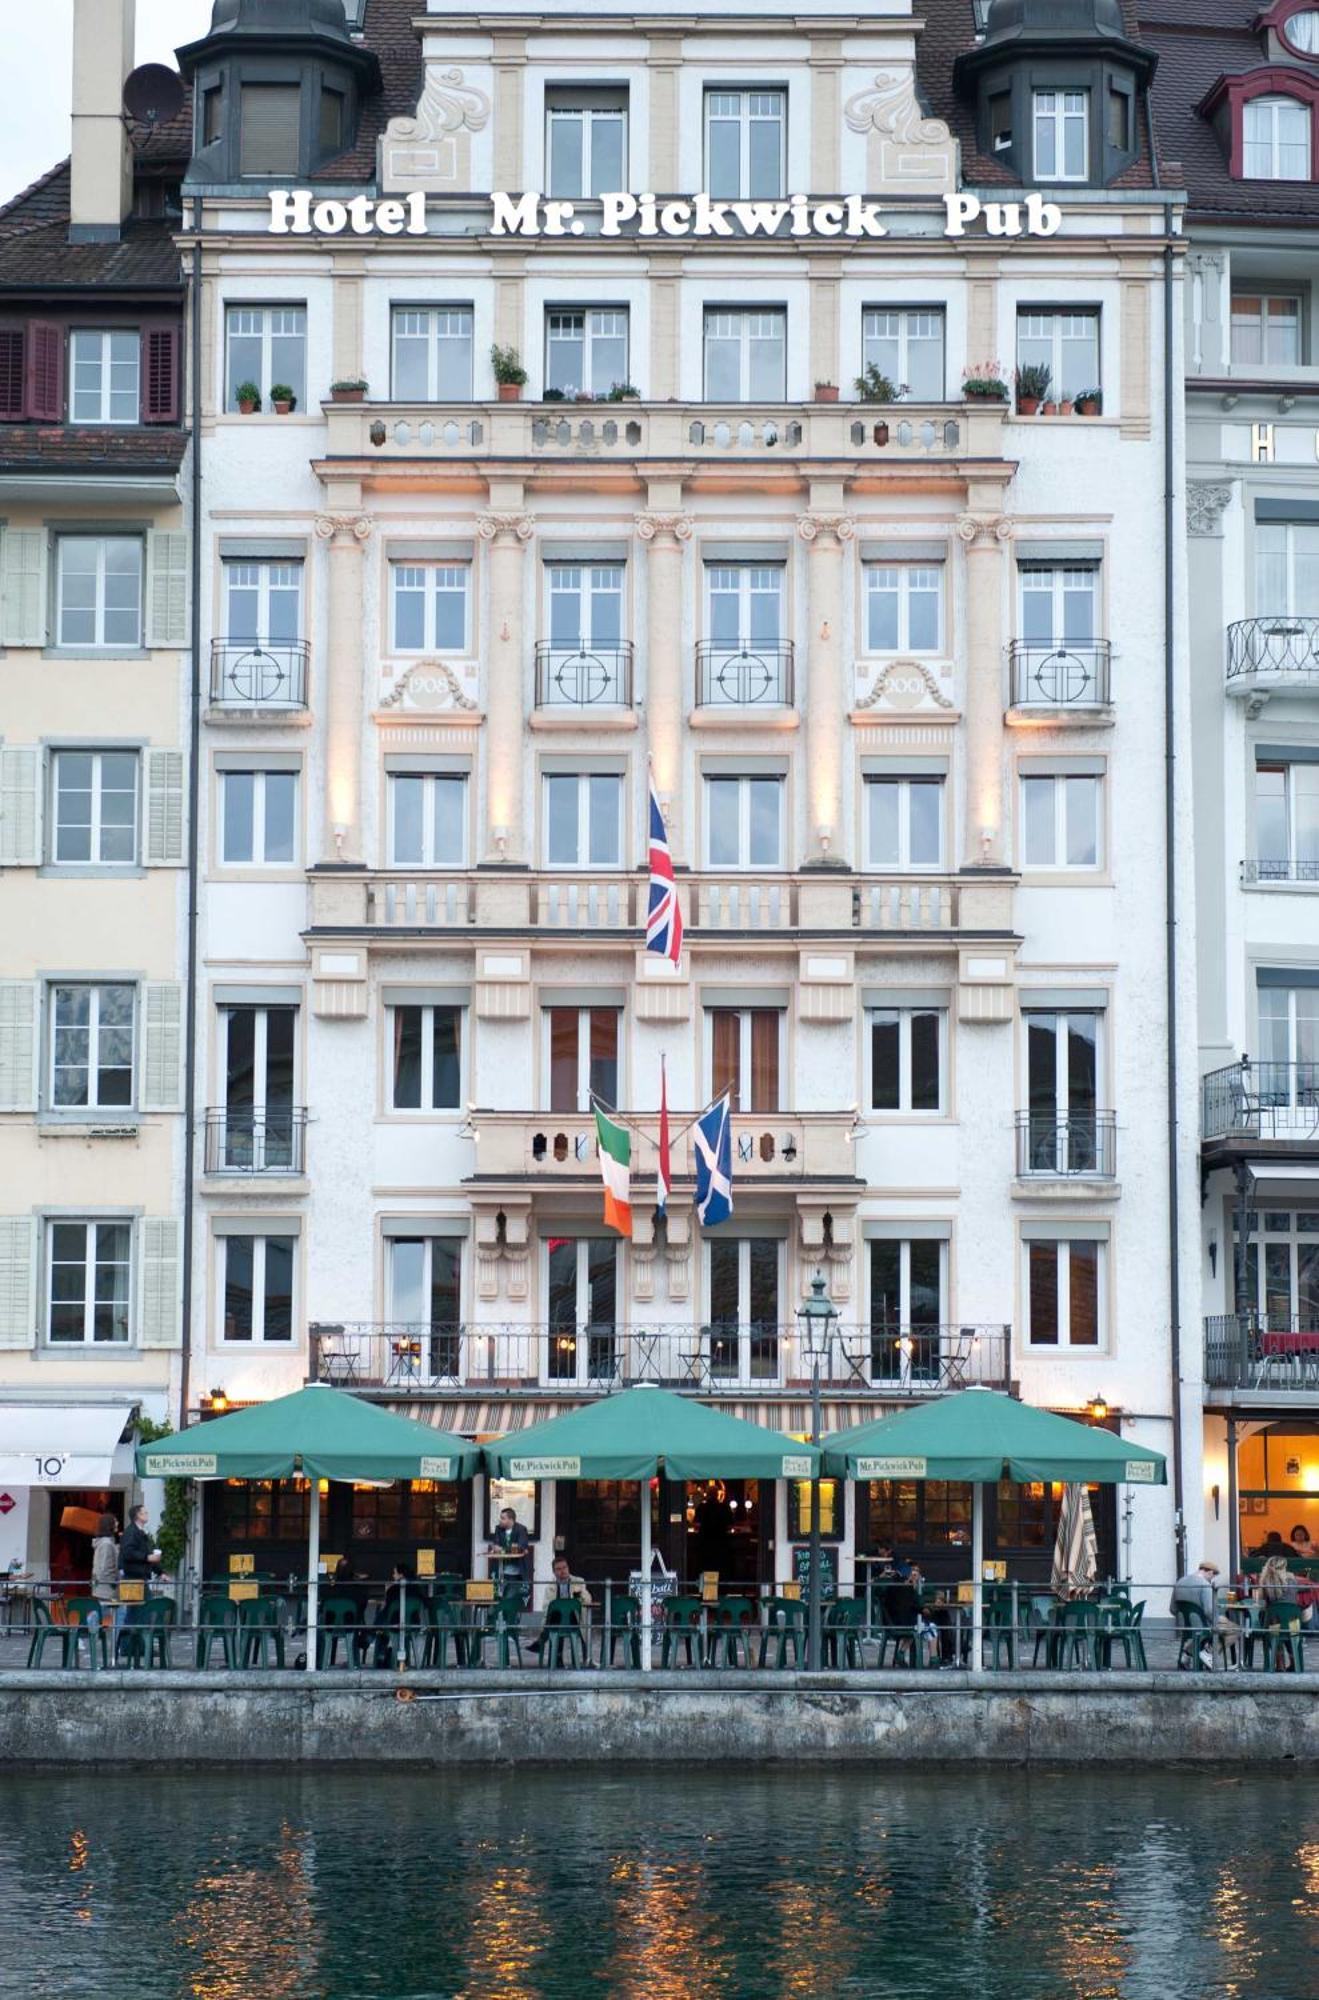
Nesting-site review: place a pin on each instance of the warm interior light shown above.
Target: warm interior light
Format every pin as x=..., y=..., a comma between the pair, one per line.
x=219, y=1401
x=1098, y=1407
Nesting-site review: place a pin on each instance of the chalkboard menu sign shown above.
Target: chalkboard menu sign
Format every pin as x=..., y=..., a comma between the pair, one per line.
x=801, y=1569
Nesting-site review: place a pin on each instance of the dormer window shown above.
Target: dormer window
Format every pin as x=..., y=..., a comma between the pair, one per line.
x=268, y=143
x=1301, y=31
x=1060, y=120
x=1276, y=139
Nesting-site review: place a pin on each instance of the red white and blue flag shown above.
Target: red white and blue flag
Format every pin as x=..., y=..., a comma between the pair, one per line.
x=663, y=917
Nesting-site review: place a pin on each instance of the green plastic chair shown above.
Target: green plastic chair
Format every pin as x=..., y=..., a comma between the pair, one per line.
x=785, y=1629
x=1076, y=1632
x=1190, y=1622
x=261, y=1632
x=682, y=1628
x=562, y=1628
x=336, y=1621
x=145, y=1643
x=1283, y=1637
x=1122, y=1627
x=217, y=1625
x=85, y=1619
x=844, y=1623
x=505, y=1629
x=444, y=1623
x=728, y=1632
x=45, y=1632
x=623, y=1629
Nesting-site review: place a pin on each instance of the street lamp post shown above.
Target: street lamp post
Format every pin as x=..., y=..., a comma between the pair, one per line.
x=818, y=1317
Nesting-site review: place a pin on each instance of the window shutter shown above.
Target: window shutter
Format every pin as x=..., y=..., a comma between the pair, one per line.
x=45, y=372
x=164, y=808
x=161, y=1320
x=160, y=375
x=18, y=1043
x=168, y=556
x=19, y=821
x=13, y=342
x=18, y=1261
x=23, y=587
x=162, y=1030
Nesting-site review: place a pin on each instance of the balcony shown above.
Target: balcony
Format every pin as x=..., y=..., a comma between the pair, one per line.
x=490, y=1361
x=1264, y=874
x=263, y=676
x=774, y=1147
x=1262, y=1351
x=1248, y=1104
x=251, y=1144
x=1061, y=680
x=586, y=679
x=751, y=675
x=1064, y=1145
x=1274, y=655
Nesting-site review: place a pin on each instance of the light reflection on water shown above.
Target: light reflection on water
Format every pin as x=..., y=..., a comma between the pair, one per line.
x=675, y=1884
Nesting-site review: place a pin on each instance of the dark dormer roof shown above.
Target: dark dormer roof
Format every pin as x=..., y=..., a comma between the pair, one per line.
x=253, y=26
x=1049, y=28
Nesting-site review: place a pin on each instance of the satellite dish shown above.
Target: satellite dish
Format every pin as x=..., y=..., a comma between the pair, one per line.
x=153, y=94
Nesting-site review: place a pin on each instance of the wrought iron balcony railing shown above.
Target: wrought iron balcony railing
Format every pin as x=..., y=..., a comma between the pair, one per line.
x=259, y=673
x=587, y=677
x=1262, y=1351
x=1253, y=873
x=1254, y=1101
x=256, y=1142
x=1067, y=1142
x=1277, y=651
x=753, y=674
x=1073, y=673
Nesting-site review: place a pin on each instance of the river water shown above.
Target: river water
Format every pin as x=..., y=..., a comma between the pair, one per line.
x=675, y=1885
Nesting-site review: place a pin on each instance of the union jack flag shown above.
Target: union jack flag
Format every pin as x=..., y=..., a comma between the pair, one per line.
x=663, y=917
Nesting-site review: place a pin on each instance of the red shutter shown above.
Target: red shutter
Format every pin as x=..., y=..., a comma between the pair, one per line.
x=12, y=344
x=45, y=372
x=160, y=375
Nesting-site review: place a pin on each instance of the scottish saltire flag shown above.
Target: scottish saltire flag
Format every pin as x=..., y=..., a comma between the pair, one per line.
x=664, y=1175
x=663, y=917
x=714, y=1164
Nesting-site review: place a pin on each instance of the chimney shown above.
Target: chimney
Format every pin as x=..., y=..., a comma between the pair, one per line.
x=103, y=54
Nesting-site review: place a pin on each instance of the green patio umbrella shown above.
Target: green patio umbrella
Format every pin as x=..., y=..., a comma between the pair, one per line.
x=983, y=1436
x=316, y=1433
x=640, y=1432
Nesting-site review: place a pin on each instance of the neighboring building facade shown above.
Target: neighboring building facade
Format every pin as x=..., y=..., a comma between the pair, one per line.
x=94, y=630
x=1235, y=103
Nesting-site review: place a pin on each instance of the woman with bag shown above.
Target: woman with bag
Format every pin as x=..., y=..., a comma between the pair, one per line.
x=105, y=1569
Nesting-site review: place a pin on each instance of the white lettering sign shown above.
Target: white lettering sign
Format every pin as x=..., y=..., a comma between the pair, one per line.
x=545, y=1468
x=437, y=1468
x=180, y=1465
x=1142, y=1472
x=890, y=1468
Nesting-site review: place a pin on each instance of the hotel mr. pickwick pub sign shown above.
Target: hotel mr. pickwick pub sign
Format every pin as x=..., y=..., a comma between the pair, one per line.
x=296, y=212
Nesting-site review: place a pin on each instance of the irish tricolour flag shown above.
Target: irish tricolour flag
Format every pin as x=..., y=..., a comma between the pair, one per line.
x=615, y=1167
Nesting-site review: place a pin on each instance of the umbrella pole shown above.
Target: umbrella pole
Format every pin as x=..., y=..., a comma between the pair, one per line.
x=313, y=1567
x=977, y=1578
x=645, y=1576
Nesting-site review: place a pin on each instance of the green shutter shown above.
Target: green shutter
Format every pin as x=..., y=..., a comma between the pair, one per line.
x=23, y=587
x=168, y=599
x=162, y=1039
x=20, y=768
x=18, y=1045
x=18, y=1263
x=161, y=1319
x=164, y=808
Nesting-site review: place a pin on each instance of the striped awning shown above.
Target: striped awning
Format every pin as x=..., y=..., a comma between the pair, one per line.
x=512, y=1413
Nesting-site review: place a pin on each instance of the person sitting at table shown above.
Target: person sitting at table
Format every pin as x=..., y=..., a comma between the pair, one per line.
x=1197, y=1589
x=509, y=1549
x=889, y=1566
x=566, y=1585
x=1272, y=1545
x=385, y=1630
x=1302, y=1546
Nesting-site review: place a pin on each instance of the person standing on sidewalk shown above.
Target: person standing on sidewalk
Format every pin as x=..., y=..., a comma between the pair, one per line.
x=139, y=1561
x=105, y=1570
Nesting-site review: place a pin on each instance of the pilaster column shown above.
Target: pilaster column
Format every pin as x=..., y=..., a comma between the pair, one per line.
x=664, y=536
x=508, y=535
x=986, y=537
x=341, y=836
x=825, y=536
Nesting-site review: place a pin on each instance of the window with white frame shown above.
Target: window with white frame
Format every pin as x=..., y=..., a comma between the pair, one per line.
x=586, y=142
x=91, y=1046
x=585, y=349
x=744, y=1284
x=260, y=1130
x=1064, y=1068
x=262, y=602
x=1066, y=343
x=746, y=134
x=256, y=1289
x=746, y=355
x=429, y=606
x=1287, y=568
x=746, y=662
x=98, y=591
x=425, y=1054
x=266, y=346
x=1266, y=329
x=908, y=1058
x=94, y=795
x=258, y=817
x=746, y=1056
x=1301, y=31
x=1064, y=1284
x=1061, y=819
x=1275, y=139
x=585, y=605
x=908, y=1278
x=581, y=1308
x=904, y=821
x=744, y=821
x=104, y=375
x=89, y=1273
x=1059, y=603
x=433, y=349
x=1282, y=1266
x=424, y=1280
x=582, y=1056
x=906, y=344
x=427, y=819
x=1289, y=1034
x=904, y=607
x=1061, y=121
x=583, y=819
x=1287, y=819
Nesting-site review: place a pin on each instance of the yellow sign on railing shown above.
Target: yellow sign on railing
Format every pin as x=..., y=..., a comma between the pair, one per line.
x=480, y=1591
x=243, y=1593
x=241, y=1565
x=425, y=1562
x=132, y=1590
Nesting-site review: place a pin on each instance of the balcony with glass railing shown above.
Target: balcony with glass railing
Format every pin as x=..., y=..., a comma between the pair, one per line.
x=1060, y=678
x=266, y=676
x=254, y=1143
x=1066, y=1144
x=583, y=679
x=750, y=674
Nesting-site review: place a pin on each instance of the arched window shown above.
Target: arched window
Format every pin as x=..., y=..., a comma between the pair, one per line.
x=1276, y=135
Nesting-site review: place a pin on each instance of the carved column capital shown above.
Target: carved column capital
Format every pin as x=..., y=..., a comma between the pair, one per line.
x=816, y=529
x=983, y=530
x=664, y=527
x=344, y=527
x=1206, y=502
x=505, y=527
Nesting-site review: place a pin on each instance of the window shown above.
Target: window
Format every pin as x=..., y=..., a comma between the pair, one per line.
x=1058, y=604
x=904, y=607
x=427, y=819
x=1066, y=343
x=582, y=1056
x=270, y=121
x=908, y=1280
x=746, y=355
x=1064, y=1305
x=1266, y=329
x=95, y=797
x=425, y=1304
x=266, y=344
x=91, y=1047
x=1287, y=568
x=745, y=143
x=1289, y=1032
x=262, y=602
x=585, y=606
x=1282, y=1267
x=585, y=142
x=744, y=822
x=1276, y=135
x=907, y=346
x=747, y=662
x=259, y=1131
x=907, y=1058
x=1060, y=820
x=904, y=822
x=330, y=124
x=98, y=603
x=432, y=354
x=212, y=121
x=429, y=603
x=744, y=1283
x=1061, y=120
x=584, y=820
x=104, y=371
x=1302, y=32
x=746, y=1056
x=581, y=1284
x=88, y=1283
x=256, y=1281
x=586, y=349
x=258, y=818
x=1000, y=121
x=426, y=1058
x=1120, y=109
x=1062, y=1128
x=1287, y=821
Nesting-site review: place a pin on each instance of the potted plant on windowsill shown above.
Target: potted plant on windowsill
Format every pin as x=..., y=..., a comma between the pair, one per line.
x=1032, y=387
x=873, y=386
x=248, y=398
x=282, y=398
x=826, y=392
x=984, y=384
x=1089, y=403
x=510, y=375
x=353, y=390
x=623, y=392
